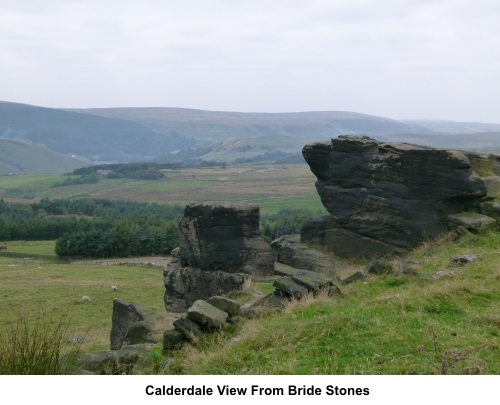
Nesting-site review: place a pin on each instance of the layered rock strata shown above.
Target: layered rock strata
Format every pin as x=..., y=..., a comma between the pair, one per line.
x=220, y=248
x=384, y=198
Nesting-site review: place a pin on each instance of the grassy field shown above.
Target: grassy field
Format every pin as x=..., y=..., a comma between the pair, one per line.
x=54, y=291
x=271, y=186
x=382, y=325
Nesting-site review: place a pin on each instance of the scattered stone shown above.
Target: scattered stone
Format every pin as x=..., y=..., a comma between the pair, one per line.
x=140, y=332
x=114, y=287
x=292, y=252
x=188, y=328
x=86, y=299
x=124, y=315
x=462, y=260
x=233, y=340
x=359, y=275
x=472, y=221
x=173, y=340
x=311, y=280
x=290, y=288
x=270, y=301
x=333, y=291
x=206, y=315
x=133, y=325
x=281, y=269
x=231, y=307
x=380, y=267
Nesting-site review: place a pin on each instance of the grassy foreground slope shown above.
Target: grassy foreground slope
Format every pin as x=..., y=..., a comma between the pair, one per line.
x=383, y=325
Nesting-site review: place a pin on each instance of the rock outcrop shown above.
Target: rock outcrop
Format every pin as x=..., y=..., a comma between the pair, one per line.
x=133, y=324
x=220, y=248
x=384, y=198
x=292, y=252
x=224, y=237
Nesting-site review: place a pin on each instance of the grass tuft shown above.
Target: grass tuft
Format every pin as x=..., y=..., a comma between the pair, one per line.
x=37, y=348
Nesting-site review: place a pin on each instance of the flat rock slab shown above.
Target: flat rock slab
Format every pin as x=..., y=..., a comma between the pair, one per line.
x=231, y=307
x=281, y=269
x=462, y=260
x=472, y=221
x=206, y=315
x=311, y=280
x=290, y=287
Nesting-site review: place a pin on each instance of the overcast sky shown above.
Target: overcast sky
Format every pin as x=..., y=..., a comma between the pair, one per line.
x=393, y=58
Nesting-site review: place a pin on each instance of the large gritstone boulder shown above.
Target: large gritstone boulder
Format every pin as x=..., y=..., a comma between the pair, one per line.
x=224, y=237
x=220, y=248
x=384, y=198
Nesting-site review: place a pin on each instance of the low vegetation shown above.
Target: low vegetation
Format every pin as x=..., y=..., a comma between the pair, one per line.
x=383, y=325
x=38, y=347
x=89, y=228
x=393, y=324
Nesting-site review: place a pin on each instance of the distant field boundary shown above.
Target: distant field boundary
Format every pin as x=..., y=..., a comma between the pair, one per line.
x=51, y=258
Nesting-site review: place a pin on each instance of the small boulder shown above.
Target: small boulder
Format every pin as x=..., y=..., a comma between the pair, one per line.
x=380, y=267
x=188, y=328
x=462, y=260
x=311, y=280
x=359, y=275
x=230, y=306
x=472, y=221
x=173, y=339
x=206, y=315
x=289, y=287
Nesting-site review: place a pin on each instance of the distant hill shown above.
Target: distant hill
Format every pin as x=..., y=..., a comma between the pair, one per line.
x=96, y=138
x=215, y=126
x=19, y=157
x=117, y=135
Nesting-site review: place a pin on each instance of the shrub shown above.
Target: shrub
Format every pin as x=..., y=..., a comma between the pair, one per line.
x=37, y=348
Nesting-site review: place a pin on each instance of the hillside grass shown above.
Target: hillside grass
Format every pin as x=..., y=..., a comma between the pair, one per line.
x=271, y=186
x=55, y=290
x=383, y=325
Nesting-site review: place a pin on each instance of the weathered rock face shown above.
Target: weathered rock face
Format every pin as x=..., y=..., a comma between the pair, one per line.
x=224, y=237
x=133, y=324
x=220, y=247
x=292, y=252
x=185, y=285
x=386, y=197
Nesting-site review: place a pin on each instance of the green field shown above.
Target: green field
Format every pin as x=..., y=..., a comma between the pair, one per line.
x=55, y=291
x=382, y=325
x=271, y=186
